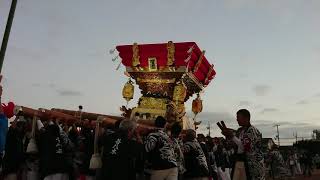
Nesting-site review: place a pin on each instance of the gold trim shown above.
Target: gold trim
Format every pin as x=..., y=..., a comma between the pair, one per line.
x=196, y=67
x=171, y=51
x=195, y=80
x=156, y=80
x=135, y=55
x=153, y=103
x=160, y=69
x=210, y=71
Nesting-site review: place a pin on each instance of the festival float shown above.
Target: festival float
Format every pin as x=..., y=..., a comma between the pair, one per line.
x=167, y=74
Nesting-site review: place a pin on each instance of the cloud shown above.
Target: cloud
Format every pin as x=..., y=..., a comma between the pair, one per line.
x=213, y=118
x=269, y=110
x=69, y=93
x=35, y=84
x=259, y=106
x=266, y=127
x=303, y=102
x=244, y=103
x=261, y=90
x=26, y=52
x=286, y=130
x=317, y=95
x=50, y=85
x=243, y=75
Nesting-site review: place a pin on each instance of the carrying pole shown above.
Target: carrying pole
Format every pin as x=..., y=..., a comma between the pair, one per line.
x=7, y=32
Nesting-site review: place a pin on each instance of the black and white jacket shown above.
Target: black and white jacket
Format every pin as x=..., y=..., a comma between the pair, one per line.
x=161, y=151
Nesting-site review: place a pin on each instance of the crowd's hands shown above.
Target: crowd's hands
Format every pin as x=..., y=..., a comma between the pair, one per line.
x=57, y=121
x=227, y=132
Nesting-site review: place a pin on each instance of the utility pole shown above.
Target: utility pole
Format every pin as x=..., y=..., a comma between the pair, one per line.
x=209, y=128
x=278, y=135
x=296, y=136
x=7, y=32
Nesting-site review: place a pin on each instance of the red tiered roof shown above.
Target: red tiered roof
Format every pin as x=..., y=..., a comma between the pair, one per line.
x=160, y=52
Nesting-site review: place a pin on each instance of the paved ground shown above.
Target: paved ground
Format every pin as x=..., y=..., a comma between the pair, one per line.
x=315, y=176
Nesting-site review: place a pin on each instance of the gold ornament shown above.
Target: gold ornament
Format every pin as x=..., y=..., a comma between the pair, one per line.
x=153, y=103
x=171, y=112
x=156, y=80
x=171, y=51
x=153, y=66
x=179, y=93
x=135, y=55
x=128, y=91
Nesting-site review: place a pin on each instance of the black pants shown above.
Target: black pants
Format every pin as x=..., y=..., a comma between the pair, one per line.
x=307, y=170
x=1, y=160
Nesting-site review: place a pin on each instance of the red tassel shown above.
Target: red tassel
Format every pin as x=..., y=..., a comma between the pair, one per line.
x=8, y=109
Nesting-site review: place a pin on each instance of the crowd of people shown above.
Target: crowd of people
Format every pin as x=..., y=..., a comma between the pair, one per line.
x=296, y=163
x=62, y=152
x=65, y=152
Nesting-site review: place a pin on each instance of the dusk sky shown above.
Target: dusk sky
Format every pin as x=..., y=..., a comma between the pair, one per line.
x=266, y=54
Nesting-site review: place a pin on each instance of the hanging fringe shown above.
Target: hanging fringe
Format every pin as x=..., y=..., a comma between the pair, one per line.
x=115, y=58
x=111, y=51
x=118, y=66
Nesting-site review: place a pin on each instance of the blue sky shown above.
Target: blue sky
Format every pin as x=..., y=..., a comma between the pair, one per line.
x=266, y=54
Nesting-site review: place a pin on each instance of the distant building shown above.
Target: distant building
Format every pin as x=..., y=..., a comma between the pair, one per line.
x=316, y=134
x=312, y=145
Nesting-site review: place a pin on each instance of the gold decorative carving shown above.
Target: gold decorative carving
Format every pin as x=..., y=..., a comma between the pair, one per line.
x=156, y=80
x=153, y=66
x=128, y=90
x=181, y=109
x=135, y=55
x=171, y=51
x=180, y=92
x=196, y=67
x=153, y=103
